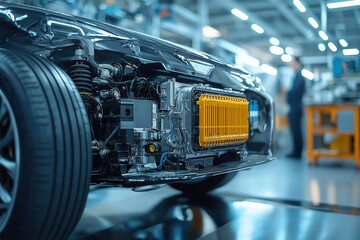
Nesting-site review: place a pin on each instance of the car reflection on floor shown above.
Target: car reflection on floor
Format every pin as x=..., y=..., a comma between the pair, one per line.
x=278, y=205
x=211, y=217
x=176, y=217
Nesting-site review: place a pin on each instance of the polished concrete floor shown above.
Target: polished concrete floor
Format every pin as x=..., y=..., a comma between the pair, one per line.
x=284, y=199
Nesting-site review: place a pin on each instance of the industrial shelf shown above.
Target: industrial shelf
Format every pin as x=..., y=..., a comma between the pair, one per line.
x=338, y=120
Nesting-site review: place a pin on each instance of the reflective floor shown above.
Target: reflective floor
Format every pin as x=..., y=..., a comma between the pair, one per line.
x=284, y=199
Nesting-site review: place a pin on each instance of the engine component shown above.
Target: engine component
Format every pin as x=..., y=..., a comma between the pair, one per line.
x=254, y=114
x=223, y=120
x=136, y=113
x=167, y=95
x=81, y=75
x=145, y=139
x=152, y=147
x=203, y=119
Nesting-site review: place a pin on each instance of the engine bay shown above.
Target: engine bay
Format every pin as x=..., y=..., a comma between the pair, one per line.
x=156, y=114
x=151, y=123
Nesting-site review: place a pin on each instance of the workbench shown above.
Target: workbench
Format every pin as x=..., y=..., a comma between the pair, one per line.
x=340, y=121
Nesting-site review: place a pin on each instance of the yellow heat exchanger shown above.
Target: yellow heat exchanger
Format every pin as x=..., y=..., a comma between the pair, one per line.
x=223, y=120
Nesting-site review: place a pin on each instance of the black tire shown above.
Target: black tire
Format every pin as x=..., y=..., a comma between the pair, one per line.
x=204, y=185
x=55, y=149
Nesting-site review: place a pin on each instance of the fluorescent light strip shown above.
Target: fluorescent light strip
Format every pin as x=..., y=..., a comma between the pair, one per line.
x=321, y=47
x=276, y=50
x=210, y=32
x=343, y=43
x=298, y=4
x=342, y=4
x=332, y=46
x=274, y=41
x=351, y=52
x=239, y=14
x=286, y=58
x=257, y=28
x=323, y=35
x=313, y=22
x=268, y=69
x=307, y=74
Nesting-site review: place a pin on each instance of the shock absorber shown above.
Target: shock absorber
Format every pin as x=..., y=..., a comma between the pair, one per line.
x=81, y=75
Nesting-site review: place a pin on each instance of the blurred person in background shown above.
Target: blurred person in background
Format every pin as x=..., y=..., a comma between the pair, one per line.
x=294, y=99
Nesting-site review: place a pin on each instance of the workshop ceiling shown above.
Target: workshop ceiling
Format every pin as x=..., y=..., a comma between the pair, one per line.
x=281, y=19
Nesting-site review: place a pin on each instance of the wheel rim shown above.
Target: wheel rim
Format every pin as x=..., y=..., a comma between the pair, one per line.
x=9, y=160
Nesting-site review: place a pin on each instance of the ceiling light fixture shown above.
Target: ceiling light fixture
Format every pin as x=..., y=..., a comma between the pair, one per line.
x=274, y=41
x=298, y=4
x=343, y=42
x=257, y=28
x=239, y=14
x=210, y=32
x=351, y=52
x=342, y=4
x=286, y=58
x=332, y=46
x=276, y=50
x=313, y=22
x=321, y=47
x=323, y=35
x=307, y=74
x=268, y=69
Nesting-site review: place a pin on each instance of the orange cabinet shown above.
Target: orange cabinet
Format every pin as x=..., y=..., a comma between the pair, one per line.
x=339, y=123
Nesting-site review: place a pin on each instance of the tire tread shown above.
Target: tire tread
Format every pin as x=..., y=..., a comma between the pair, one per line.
x=61, y=153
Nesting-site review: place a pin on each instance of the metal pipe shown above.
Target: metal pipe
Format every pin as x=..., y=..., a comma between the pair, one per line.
x=323, y=15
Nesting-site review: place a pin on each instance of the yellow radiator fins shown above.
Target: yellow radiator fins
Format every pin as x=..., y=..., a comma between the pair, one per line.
x=223, y=120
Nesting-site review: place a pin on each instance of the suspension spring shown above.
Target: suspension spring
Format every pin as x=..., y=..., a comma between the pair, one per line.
x=81, y=75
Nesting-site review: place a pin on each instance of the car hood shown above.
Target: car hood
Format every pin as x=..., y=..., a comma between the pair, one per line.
x=147, y=49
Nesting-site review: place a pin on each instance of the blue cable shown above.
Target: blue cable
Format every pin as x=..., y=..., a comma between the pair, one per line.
x=162, y=160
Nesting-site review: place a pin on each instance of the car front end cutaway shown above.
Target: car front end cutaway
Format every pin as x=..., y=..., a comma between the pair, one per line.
x=159, y=113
